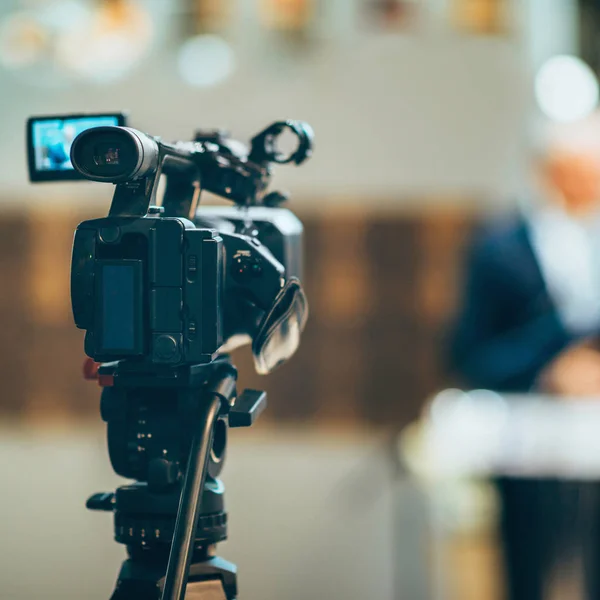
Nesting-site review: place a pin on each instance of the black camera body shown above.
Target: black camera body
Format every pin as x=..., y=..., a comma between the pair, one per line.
x=170, y=284
x=173, y=284
x=161, y=289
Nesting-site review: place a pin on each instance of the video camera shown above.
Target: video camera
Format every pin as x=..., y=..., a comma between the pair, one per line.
x=164, y=292
x=167, y=285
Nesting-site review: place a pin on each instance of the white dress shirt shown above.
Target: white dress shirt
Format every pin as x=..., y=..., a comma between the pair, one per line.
x=568, y=252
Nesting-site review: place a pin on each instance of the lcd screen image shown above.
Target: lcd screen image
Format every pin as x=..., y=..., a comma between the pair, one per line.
x=52, y=139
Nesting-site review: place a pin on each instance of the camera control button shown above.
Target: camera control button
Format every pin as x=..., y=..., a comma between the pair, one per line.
x=245, y=268
x=165, y=347
x=162, y=473
x=192, y=267
x=109, y=235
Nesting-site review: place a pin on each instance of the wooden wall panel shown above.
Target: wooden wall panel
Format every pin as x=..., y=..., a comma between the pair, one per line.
x=14, y=327
x=380, y=291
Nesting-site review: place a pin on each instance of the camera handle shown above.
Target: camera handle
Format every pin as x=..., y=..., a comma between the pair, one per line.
x=219, y=396
x=243, y=411
x=189, y=504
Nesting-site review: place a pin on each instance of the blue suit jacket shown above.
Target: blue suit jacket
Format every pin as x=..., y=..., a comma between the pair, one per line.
x=507, y=328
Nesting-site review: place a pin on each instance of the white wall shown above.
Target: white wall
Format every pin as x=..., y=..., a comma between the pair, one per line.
x=432, y=113
x=551, y=28
x=311, y=516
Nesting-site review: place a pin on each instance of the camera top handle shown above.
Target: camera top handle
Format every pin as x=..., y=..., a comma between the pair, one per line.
x=212, y=162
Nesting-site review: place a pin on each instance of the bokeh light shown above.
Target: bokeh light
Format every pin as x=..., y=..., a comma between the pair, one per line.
x=205, y=60
x=566, y=89
x=65, y=41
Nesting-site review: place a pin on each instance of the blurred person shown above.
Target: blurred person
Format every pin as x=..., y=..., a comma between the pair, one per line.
x=530, y=308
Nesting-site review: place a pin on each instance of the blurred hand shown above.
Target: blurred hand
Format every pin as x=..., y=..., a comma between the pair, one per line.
x=575, y=372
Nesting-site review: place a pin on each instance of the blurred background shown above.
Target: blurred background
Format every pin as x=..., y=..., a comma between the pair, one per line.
x=426, y=114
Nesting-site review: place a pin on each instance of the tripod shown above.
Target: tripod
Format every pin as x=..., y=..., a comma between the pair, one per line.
x=167, y=429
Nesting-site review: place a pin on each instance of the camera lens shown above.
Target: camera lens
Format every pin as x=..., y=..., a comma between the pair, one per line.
x=114, y=154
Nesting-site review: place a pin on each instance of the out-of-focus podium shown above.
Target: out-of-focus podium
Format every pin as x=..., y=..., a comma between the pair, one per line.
x=465, y=438
x=480, y=433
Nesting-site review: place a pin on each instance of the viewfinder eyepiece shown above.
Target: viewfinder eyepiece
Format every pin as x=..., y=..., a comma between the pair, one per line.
x=114, y=154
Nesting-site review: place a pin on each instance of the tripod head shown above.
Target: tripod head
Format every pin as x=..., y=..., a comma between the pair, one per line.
x=168, y=431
